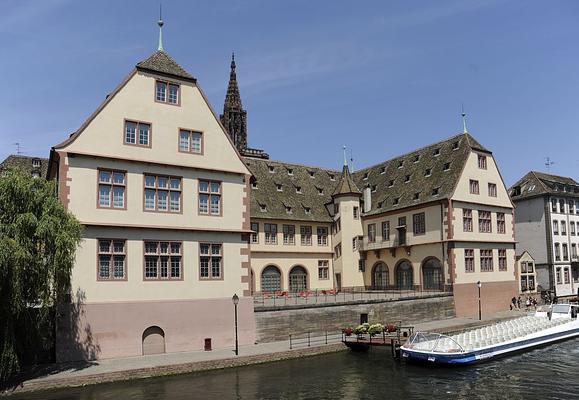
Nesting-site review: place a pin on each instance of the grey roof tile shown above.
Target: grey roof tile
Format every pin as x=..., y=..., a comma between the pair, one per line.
x=161, y=62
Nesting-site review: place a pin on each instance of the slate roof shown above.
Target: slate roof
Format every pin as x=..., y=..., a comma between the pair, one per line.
x=25, y=163
x=161, y=62
x=443, y=178
x=346, y=185
x=535, y=184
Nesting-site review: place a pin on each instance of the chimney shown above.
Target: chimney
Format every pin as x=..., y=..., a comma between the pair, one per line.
x=367, y=199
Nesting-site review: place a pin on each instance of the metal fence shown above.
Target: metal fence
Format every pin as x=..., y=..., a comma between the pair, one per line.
x=347, y=294
x=310, y=339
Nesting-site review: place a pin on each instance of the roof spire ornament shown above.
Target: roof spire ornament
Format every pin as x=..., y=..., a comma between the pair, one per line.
x=160, y=23
x=345, y=158
x=463, y=114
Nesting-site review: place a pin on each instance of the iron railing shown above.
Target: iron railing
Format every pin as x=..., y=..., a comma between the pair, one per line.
x=310, y=339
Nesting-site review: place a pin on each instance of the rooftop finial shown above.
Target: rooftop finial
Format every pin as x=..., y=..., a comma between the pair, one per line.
x=160, y=23
x=464, y=130
x=345, y=158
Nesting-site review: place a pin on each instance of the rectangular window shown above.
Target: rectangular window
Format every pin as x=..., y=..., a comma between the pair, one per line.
x=473, y=185
x=371, y=233
x=559, y=280
x=555, y=227
x=167, y=92
x=209, y=197
x=492, y=190
x=566, y=275
x=111, y=254
x=469, y=260
x=355, y=243
x=573, y=251
x=501, y=225
x=270, y=233
x=486, y=260
x=571, y=207
x=111, y=192
x=289, y=234
x=563, y=228
x=162, y=193
x=336, y=226
x=565, y=252
x=210, y=261
x=467, y=220
x=323, y=269
x=306, y=235
x=554, y=205
x=255, y=233
x=562, y=206
x=419, y=223
x=557, y=252
x=190, y=141
x=572, y=228
x=138, y=133
x=322, y=236
x=482, y=161
x=162, y=260
x=338, y=251
x=484, y=221
x=356, y=212
x=502, y=259
x=385, y=230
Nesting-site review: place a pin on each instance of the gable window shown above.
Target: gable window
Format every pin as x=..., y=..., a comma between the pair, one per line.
x=501, y=222
x=166, y=92
x=306, y=235
x=502, y=259
x=473, y=185
x=255, y=233
x=371, y=233
x=162, y=193
x=111, y=185
x=210, y=261
x=469, y=260
x=270, y=233
x=162, y=260
x=322, y=236
x=555, y=227
x=289, y=234
x=486, y=260
x=467, y=220
x=482, y=161
x=111, y=259
x=209, y=197
x=492, y=190
x=190, y=141
x=385, y=230
x=484, y=221
x=137, y=133
x=419, y=223
x=323, y=269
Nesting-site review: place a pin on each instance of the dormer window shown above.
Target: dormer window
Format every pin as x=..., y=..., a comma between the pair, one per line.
x=446, y=166
x=288, y=210
x=366, y=176
x=254, y=185
x=271, y=169
x=436, y=152
x=416, y=196
x=400, y=164
x=428, y=172
x=382, y=170
x=298, y=189
x=36, y=163
x=396, y=201
x=416, y=158
x=311, y=174
x=307, y=210
x=279, y=187
x=35, y=174
x=320, y=191
x=379, y=205
x=435, y=191
x=455, y=145
x=373, y=188
x=167, y=92
x=391, y=183
x=407, y=179
x=290, y=171
x=332, y=177
x=262, y=208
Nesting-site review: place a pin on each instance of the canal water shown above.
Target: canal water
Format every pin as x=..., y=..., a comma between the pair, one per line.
x=547, y=373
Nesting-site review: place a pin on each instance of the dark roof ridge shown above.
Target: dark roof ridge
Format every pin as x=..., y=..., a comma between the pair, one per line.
x=267, y=161
x=546, y=176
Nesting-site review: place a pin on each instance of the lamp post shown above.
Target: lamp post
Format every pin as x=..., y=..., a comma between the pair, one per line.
x=235, y=300
x=479, y=284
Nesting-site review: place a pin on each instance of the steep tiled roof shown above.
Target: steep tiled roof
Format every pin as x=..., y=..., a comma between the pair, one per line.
x=26, y=164
x=535, y=184
x=161, y=62
x=346, y=185
x=432, y=172
x=421, y=176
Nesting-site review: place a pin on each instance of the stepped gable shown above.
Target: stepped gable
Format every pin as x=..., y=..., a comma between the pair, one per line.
x=536, y=183
x=161, y=63
x=388, y=180
x=291, y=177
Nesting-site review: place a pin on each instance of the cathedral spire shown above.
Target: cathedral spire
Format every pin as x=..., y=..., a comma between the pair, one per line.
x=234, y=117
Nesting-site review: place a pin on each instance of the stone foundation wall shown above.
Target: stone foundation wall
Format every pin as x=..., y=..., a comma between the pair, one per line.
x=279, y=324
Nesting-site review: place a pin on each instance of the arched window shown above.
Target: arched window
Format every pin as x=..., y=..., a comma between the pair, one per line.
x=298, y=279
x=270, y=279
x=404, y=275
x=380, y=277
x=153, y=341
x=432, y=277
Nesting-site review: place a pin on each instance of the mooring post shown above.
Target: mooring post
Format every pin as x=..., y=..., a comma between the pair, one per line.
x=290, y=342
x=326, y=337
x=308, y=339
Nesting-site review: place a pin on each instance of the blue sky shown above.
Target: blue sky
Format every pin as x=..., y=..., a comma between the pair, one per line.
x=382, y=77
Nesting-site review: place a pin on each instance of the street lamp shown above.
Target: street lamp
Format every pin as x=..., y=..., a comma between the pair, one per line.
x=479, y=284
x=235, y=300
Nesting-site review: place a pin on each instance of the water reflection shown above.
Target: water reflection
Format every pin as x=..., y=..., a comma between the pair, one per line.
x=547, y=373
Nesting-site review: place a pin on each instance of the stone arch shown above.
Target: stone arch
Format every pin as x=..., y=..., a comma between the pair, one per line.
x=432, y=274
x=271, y=279
x=153, y=340
x=380, y=275
x=298, y=279
x=404, y=274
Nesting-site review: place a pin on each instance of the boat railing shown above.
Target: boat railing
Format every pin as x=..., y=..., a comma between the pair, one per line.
x=433, y=342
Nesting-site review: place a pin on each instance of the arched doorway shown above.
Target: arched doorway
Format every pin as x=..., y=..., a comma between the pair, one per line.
x=298, y=279
x=404, y=275
x=432, y=277
x=270, y=279
x=380, y=276
x=153, y=341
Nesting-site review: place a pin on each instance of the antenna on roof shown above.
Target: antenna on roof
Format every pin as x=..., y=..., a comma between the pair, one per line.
x=548, y=163
x=18, y=148
x=160, y=23
x=463, y=114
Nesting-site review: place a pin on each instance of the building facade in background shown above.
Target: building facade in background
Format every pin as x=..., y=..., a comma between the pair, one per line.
x=547, y=223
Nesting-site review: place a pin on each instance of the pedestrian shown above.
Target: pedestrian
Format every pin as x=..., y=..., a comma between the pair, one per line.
x=513, y=303
x=519, y=303
x=527, y=304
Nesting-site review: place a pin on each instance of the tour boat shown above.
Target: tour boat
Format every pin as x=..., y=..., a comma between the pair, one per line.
x=548, y=324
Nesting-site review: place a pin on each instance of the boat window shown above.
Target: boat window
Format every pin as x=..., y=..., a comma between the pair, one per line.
x=574, y=312
x=561, y=309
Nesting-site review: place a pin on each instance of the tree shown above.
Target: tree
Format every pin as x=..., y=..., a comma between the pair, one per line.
x=38, y=241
